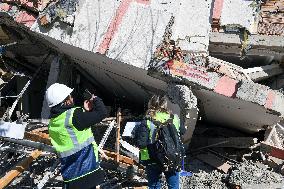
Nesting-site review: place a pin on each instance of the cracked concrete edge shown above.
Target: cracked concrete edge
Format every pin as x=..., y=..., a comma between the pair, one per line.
x=187, y=101
x=245, y=90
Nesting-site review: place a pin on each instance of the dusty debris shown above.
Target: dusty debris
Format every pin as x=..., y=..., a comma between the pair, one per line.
x=214, y=161
x=250, y=174
x=204, y=176
x=229, y=80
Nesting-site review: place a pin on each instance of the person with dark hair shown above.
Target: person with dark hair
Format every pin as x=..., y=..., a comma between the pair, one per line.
x=157, y=112
x=71, y=136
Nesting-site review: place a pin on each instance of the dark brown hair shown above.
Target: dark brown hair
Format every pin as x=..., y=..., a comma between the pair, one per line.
x=157, y=104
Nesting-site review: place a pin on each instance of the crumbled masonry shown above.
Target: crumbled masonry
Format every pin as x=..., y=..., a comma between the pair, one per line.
x=218, y=62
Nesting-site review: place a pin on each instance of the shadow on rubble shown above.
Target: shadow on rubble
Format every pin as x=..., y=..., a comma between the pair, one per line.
x=226, y=158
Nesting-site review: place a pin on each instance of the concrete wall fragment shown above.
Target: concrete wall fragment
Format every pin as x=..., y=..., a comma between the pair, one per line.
x=239, y=12
x=192, y=25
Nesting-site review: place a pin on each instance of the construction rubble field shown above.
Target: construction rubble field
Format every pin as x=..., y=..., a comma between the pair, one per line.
x=220, y=63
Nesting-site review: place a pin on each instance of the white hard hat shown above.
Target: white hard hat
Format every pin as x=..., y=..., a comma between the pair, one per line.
x=56, y=93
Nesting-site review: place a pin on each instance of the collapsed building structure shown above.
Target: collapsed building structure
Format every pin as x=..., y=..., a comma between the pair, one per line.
x=218, y=64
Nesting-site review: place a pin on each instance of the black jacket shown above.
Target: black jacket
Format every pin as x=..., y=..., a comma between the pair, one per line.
x=82, y=120
x=142, y=135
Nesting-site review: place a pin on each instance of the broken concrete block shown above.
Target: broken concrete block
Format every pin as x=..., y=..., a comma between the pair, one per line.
x=226, y=86
x=253, y=92
x=230, y=142
x=215, y=161
x=278, y=102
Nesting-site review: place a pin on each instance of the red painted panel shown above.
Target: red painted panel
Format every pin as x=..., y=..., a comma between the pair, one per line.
x=5, y=7
x=226, y=86
x=25, y=18
x=270, y=99
x=217, y=10
x=114, y=25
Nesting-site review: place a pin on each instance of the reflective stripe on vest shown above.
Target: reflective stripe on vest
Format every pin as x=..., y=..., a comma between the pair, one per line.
x=66, y=139
x=144, y=154
x=77, y=146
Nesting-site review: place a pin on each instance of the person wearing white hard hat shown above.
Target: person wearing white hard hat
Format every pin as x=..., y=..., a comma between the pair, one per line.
x=71, y=136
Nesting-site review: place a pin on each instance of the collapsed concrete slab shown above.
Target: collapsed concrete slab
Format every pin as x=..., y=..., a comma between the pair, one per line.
x=238, y=100
x=115, y=51
x=264, y=72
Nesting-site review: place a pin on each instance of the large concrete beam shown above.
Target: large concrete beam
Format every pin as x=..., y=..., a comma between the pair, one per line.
x=262, y=45
x=263, y=72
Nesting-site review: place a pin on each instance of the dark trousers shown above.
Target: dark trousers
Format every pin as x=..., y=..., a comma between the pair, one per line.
x=89, y=181
x=154, y=173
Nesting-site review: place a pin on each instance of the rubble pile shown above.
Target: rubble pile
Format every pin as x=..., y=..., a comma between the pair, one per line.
x=221, y=68
x=249, y=174
x=203, y=176
x=246, y=174
x=12, y=155
x=226, y=158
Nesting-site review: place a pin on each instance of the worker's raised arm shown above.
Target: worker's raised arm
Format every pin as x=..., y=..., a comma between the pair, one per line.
x=85, y=119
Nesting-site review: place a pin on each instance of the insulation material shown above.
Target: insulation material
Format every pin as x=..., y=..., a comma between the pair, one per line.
x=12, y=130
x=242, y=16
x=88, y=31
x=130, y=36
x=135, y=40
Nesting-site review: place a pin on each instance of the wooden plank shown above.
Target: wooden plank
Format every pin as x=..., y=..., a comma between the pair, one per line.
x=44, y=138
x=18, y=169
x=123, y=159
x=214, y=161
x=38, y=137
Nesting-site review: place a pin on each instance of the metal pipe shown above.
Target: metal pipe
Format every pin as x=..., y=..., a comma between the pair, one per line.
x=8, y=96
x=280, y=126
x=29, y=143
x=209, y=146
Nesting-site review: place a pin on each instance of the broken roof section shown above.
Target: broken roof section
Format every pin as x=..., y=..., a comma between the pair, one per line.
x=115, y=41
